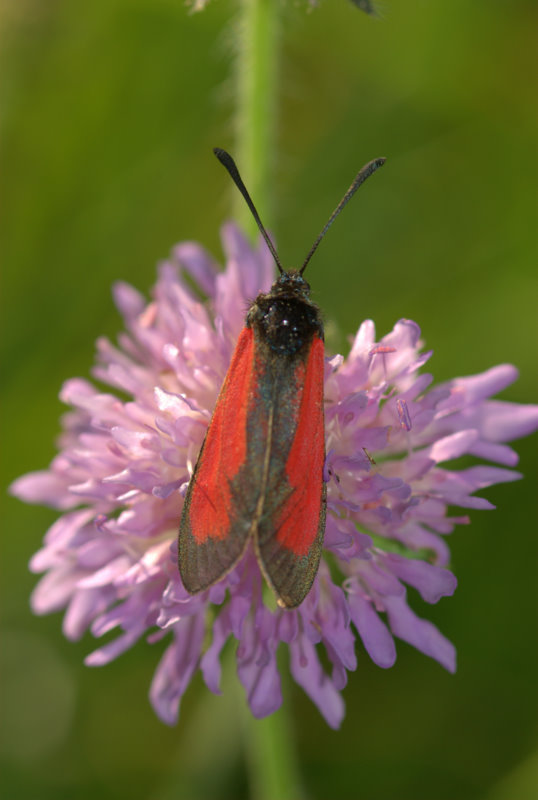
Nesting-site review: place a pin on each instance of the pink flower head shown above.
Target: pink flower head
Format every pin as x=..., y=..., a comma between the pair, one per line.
x=123, y=468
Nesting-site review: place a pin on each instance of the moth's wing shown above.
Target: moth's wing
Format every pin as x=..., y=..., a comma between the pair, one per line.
x=289, y=535
x=211, y=540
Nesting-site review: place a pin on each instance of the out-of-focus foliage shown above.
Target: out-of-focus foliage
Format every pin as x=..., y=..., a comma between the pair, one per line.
x=109, y=110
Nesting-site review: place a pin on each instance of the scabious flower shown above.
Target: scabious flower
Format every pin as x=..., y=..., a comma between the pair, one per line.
x=124, y=465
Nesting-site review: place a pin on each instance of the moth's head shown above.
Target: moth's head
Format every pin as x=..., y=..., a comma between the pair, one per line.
x=291, y=282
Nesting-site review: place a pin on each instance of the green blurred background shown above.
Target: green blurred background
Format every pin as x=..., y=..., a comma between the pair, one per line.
x=109, y=110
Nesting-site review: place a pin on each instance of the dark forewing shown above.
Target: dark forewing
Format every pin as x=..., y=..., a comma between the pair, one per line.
x=211, y=538
x=290, y=530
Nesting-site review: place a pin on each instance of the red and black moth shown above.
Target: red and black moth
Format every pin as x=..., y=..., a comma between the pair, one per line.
x=259, y=476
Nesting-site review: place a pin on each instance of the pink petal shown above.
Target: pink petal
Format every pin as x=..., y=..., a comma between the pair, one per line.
x=452, y=446
x=494, y=380
x=500, y=453
x=199, y=264
x=375, y=635
x=420, y=633
x=44, y=487
x=502, y=422
x=308, y=673
x=176, y=668
x=129, y=301
x=432, y=582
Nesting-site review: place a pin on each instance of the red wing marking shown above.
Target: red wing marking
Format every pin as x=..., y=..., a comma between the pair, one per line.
x=298, y=524
x=225, y=448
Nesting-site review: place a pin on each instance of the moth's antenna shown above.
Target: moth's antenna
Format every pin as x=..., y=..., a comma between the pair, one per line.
x=227, y=161
x=365, y=172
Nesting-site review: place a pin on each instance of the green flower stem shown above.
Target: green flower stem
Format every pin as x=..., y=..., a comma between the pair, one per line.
x=257, y=79
x=271, y=756
x=272, y=759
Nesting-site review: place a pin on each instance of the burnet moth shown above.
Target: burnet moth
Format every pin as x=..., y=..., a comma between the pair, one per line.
x=259, y=476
